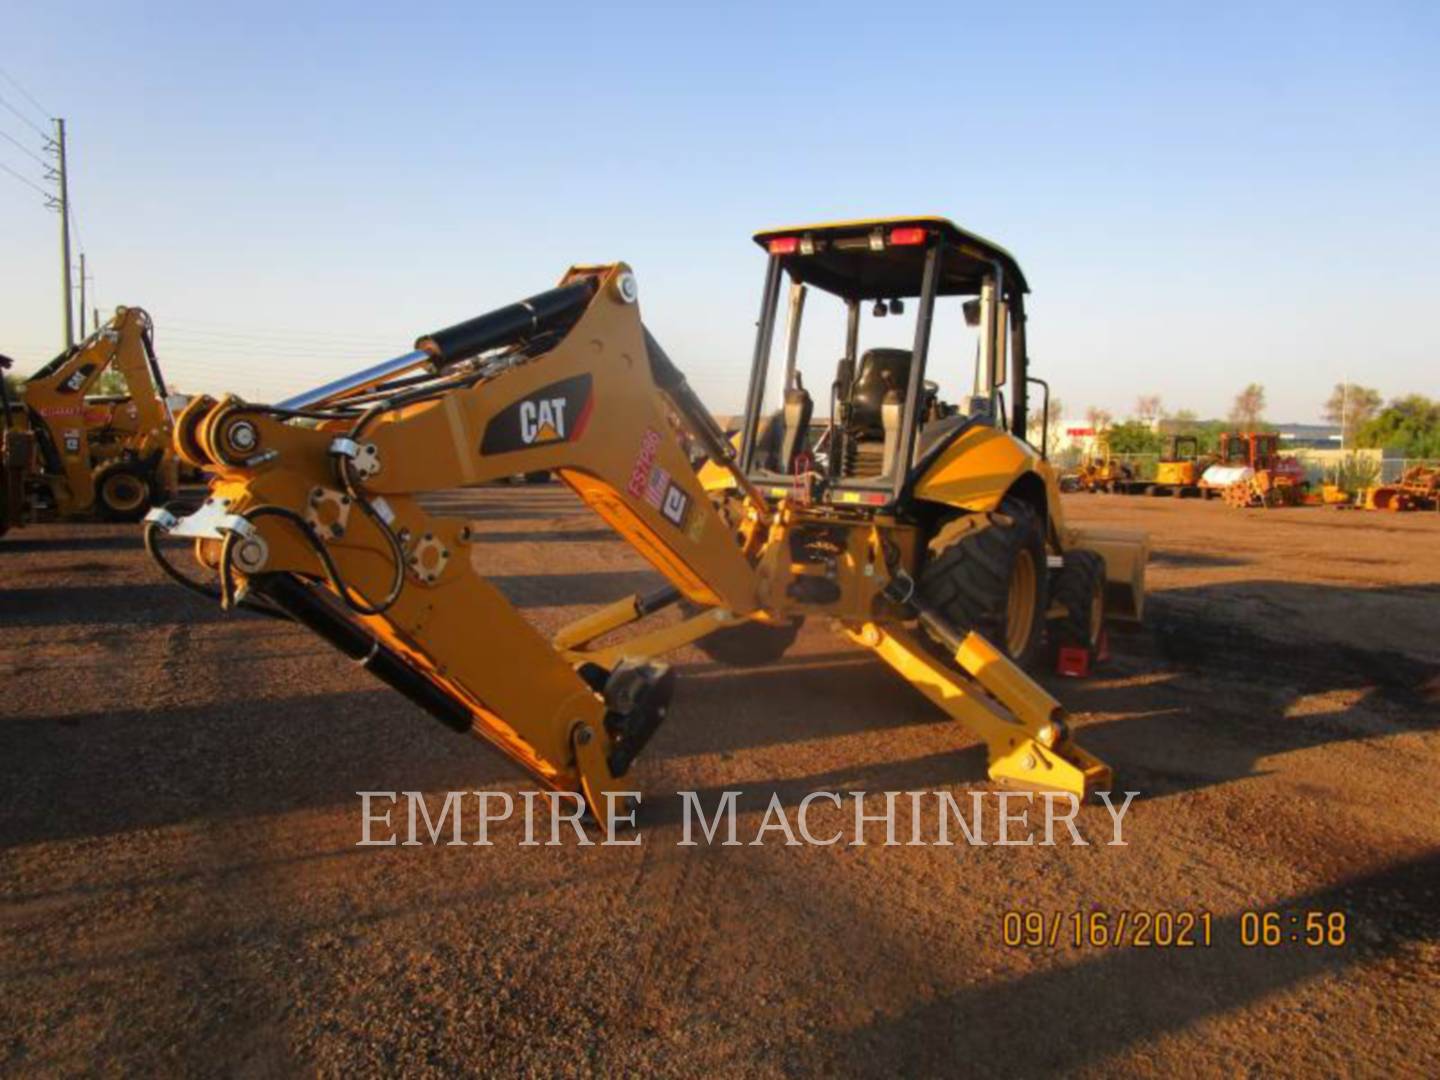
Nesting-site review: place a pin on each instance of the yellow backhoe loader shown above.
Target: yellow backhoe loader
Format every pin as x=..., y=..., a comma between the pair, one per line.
x=70, y=453
x=927, y=532
x=1102, y=471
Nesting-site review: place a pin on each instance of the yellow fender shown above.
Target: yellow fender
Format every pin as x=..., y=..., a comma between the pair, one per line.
x=977, y=470
x=983, y=465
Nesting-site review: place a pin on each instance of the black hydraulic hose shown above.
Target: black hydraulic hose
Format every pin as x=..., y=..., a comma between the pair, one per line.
x=332, y=572
x=152, y=548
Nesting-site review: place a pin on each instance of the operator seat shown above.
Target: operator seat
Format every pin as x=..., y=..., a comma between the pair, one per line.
x=881, y=370
x=876, y=409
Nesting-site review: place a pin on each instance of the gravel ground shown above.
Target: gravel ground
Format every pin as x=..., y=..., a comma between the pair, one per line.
x=181, y=890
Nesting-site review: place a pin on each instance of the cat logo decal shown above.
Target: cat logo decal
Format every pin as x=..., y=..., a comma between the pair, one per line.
x=553, y=414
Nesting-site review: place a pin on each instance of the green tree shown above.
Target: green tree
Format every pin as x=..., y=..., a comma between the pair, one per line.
x=1134, y=437
x=1248, y=411
x=110, y=382
x=1410, y=425
x=1037, y=423
x=1351, y=407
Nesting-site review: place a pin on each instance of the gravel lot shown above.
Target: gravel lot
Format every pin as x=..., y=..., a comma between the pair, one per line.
x=180, y=888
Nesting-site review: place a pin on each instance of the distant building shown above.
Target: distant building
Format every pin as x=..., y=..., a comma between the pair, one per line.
x=1292, y=436
x=1309, y=436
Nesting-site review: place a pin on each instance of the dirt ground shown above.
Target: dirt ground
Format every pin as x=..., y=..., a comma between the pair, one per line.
x=181, y=890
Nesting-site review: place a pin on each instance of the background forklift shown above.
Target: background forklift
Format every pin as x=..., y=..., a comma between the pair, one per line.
x=929, y=533
x=70, y=453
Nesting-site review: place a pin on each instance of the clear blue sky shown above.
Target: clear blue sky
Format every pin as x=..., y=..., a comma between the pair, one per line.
x=1201, y=195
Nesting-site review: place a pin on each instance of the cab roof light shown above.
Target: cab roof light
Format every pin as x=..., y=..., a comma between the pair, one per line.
x=907, y=237
x=784, y=245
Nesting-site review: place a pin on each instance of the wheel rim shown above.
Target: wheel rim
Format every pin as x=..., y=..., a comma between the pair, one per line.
x=124, y=492
x=1020, y=606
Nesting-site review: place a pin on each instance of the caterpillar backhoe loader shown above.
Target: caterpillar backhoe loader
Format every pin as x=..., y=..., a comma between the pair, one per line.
x=928, y=533
x=70, y=453
x=1103, y=471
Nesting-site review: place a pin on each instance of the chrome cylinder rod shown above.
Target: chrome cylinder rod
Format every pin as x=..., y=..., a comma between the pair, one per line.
x=357, y=380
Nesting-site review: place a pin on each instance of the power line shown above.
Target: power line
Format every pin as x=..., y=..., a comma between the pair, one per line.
x=24, y=93
x=25, y=119
x=26, y=181
x=23, y=148
x=226, y=341
x=247, y=331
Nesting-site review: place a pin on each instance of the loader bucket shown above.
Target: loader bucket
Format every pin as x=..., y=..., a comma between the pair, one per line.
x=1125, y=554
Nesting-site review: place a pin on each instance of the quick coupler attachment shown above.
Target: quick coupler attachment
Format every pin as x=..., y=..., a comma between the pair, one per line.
x=637, y=697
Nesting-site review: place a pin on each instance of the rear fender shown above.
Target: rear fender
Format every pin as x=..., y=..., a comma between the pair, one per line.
x=979, y=469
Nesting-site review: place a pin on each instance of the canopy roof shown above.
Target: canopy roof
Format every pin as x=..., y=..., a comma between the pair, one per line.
x=859, y=260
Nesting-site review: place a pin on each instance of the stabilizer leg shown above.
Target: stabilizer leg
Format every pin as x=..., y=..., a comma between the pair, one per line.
x=573, y=641
x=1023, y=727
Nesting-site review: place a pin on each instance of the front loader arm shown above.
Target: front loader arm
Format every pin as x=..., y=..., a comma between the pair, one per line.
x=320, y=519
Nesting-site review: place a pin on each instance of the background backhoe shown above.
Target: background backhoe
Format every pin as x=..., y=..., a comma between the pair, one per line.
x=928, y=532
x=71, y=453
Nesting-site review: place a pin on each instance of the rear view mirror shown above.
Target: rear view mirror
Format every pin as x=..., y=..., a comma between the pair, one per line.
x=972, y=312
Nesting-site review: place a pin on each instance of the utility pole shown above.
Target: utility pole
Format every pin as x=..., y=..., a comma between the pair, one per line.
x=1344, y=410
x=67, y=297
x=82, y=294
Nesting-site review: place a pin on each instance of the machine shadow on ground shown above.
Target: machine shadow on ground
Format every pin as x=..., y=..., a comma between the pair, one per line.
x=1146, y=992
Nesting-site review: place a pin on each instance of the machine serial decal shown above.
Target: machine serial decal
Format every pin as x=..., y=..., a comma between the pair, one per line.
x=640, y=471
x=553, y=414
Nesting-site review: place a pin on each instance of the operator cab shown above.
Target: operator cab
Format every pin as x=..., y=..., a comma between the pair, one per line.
x=883, y=412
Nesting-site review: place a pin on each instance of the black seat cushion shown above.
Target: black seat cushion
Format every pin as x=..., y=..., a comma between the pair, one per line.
x=880, y=370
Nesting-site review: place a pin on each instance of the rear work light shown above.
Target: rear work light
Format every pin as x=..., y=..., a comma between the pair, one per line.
x=784, y=245
x=906, y=237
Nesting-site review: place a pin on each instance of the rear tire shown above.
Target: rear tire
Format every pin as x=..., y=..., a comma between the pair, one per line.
x=991, y=578
x=1079, y=588
x=123, y=492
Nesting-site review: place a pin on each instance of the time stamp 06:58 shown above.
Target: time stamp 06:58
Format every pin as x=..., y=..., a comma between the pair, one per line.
x=1173, y=929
